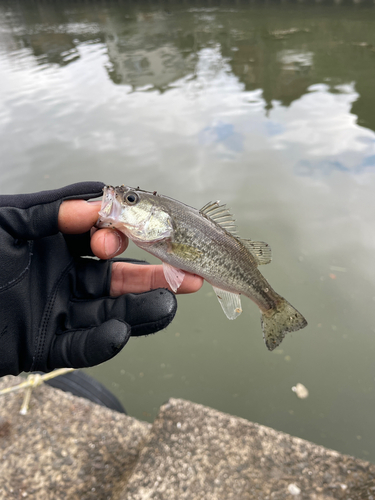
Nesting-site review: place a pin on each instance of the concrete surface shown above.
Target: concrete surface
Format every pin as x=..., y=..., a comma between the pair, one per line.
x=65, y=447
x=196, y=453
x=69, y=448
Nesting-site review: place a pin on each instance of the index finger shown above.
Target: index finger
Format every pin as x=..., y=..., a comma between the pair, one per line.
x=133, y=278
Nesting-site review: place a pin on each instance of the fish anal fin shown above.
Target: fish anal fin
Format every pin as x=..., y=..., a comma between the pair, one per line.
x=230, y=302
x=173, y=276
x=220, y=215
x=259, y=250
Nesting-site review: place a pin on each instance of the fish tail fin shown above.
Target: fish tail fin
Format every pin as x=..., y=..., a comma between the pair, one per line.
x=280, y=320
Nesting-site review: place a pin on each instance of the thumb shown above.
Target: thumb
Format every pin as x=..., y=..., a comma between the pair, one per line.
x=35, y=215
x=83, y=348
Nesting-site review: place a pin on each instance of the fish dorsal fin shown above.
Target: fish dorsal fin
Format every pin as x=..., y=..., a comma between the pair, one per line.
x=220, y=215
x=230, y=302
x=259, y=250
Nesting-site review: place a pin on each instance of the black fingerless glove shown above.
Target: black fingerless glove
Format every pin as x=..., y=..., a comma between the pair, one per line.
x=55, y=308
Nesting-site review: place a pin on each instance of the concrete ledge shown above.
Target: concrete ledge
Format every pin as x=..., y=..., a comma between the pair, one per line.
x=65, y=447
x=195, y=453
x=68, y=447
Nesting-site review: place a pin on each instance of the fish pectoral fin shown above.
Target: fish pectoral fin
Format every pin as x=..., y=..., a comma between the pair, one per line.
x=259, y=250
x=173, y=276
x=230, y=302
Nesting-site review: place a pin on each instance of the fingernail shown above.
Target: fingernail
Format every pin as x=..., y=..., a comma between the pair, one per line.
x=112, y=244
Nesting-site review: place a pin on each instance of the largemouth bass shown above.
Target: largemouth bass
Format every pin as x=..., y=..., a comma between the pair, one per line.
x=202, y=242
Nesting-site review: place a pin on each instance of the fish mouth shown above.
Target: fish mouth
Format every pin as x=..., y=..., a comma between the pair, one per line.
x=110, y=209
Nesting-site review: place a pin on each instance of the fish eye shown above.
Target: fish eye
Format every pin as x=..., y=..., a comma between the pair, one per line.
x=131, y=198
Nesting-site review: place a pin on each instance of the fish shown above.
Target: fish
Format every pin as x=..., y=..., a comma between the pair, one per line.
x=202, y=242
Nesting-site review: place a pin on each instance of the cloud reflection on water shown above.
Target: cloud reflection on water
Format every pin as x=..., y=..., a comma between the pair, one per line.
x=322, y=124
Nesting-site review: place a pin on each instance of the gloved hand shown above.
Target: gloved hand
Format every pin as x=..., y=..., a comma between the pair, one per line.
x=55, y=308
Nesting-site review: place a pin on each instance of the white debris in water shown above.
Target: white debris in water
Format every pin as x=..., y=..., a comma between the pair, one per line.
x=301, y=391
x=293, y=489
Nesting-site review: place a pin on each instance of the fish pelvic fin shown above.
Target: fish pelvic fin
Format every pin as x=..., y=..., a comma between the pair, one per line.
x=279, y=321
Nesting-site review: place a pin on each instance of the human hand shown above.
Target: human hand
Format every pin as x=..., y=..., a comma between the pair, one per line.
x=56, y=306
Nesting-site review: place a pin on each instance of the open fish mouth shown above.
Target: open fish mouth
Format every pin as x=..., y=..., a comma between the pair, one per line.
x=110, y=209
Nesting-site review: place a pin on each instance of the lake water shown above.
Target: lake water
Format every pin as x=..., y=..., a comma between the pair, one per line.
x=269, y=108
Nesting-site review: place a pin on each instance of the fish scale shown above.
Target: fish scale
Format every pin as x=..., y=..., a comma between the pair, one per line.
x=203, y=242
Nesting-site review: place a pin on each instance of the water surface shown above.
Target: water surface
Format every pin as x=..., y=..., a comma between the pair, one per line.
x=269, y=108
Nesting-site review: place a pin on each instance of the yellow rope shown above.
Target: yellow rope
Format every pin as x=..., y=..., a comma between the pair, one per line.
x=33, y=380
